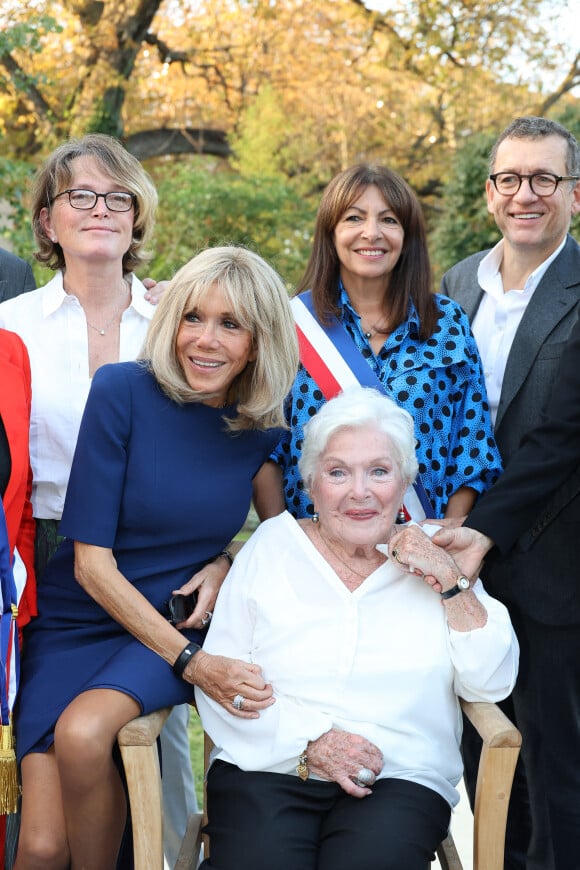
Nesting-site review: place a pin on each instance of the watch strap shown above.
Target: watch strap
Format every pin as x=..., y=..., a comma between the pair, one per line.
x=462, y=585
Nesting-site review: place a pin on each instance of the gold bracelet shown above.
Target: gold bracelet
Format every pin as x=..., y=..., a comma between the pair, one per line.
x=302, y=768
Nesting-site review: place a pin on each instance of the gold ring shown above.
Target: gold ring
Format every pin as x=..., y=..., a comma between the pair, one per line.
x=395, y=555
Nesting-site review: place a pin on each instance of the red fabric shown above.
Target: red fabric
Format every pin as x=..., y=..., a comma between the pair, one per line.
x=317, y=368
x=15, y=401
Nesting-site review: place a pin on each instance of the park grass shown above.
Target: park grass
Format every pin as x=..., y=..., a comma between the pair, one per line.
x=196, y=751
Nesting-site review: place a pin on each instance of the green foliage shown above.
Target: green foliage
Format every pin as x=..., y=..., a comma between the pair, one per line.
x=464, y=225
x=200, y=206
x=15, y=228
x=27, y=34
x=570, y=118
x=25, y=37
x=262, y=132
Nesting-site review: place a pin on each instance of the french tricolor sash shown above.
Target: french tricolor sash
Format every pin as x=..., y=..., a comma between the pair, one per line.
x=333, y=360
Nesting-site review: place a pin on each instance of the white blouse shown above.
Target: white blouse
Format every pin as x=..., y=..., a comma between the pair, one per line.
x=53, y=326
x=380, y=661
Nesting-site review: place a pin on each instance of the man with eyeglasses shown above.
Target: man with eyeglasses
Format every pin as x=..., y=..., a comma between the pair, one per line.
x=523, y=299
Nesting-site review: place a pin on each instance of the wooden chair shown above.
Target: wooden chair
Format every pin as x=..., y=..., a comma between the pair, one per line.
x=501, y=746
x=497, y=763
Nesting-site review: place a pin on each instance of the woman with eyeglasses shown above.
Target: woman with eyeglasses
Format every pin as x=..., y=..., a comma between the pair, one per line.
x=93, y=210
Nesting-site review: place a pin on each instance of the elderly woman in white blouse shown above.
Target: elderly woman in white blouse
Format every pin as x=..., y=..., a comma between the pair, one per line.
x=366, y=651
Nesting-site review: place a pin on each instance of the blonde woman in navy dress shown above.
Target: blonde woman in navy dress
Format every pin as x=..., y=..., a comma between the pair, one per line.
x=160, y=483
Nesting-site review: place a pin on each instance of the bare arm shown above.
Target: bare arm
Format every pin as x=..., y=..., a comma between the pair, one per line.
x=268, y=491
x=460, y=503
x=221, y=678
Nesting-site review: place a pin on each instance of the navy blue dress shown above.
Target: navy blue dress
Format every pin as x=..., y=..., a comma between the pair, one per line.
x=166, y=486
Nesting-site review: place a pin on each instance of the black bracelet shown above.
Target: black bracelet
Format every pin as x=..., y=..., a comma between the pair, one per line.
x=184, y=657
x=228, y=556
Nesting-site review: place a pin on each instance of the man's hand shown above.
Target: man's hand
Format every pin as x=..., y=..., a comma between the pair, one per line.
x=467, y=546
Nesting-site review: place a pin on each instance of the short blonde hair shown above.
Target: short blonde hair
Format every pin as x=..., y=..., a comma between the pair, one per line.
x=55, y=175
x=358, y=408
x=258, y=300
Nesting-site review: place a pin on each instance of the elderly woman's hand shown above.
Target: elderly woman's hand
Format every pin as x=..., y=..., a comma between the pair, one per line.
x=225, y=680
x=338, y=756
x=415, y=552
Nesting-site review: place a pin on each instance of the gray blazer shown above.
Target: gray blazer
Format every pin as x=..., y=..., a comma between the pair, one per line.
x=15, y=276
x=537, y=575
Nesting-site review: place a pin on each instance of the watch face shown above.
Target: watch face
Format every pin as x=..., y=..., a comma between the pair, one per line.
x=463, y=583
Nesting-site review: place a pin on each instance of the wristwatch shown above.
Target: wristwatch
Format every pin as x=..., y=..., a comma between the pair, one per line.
x=462, y=585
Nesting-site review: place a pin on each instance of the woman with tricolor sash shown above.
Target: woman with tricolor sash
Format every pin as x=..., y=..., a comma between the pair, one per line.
x=365, y=314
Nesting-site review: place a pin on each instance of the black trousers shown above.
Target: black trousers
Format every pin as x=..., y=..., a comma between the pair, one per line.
x=261, y=821
x=545, y=808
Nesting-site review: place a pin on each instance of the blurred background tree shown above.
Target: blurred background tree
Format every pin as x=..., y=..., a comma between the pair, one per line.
x=243, y=110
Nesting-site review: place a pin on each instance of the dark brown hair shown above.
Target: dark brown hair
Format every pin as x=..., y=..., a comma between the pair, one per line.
x=411, y=276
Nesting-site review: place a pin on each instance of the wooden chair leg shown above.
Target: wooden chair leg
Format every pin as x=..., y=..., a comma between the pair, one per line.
x=138, y=745
x=448, y=856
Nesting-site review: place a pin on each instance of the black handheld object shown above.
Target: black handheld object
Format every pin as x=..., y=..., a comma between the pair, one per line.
x=181, y=607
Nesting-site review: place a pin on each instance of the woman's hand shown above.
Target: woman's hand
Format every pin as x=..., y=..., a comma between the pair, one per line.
x=155, y=289
x=413, y=551
x=223, y=679
x=208, y=582
x=416, y=553
x=339, y=755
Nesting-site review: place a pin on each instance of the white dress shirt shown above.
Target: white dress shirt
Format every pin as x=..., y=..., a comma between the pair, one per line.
x=53, y=326
x=380, y=661
x=498, y=317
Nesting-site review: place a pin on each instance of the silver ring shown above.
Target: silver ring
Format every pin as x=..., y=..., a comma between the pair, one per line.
x=238, y=701
x=206, y=619
x=364, y=777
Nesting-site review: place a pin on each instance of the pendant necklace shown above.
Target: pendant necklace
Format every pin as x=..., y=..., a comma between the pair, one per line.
x=340, y=559
x=102, y=330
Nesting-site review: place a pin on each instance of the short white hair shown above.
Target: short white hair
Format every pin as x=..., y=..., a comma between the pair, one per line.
x=355, y=408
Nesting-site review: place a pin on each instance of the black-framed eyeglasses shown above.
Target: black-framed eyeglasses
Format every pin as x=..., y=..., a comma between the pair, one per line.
x=541, y=183
x=82, y=199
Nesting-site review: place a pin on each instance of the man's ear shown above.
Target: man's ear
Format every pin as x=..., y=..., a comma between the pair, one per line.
x=489, y=192
x=576, y=199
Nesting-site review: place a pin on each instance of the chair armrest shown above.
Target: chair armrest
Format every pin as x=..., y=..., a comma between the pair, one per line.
x=499, y=754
